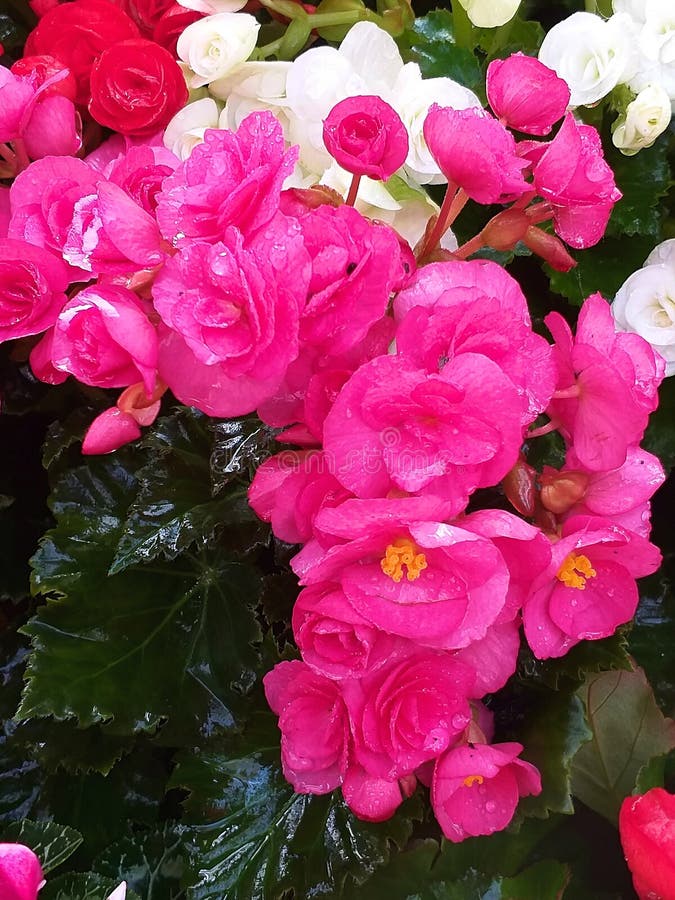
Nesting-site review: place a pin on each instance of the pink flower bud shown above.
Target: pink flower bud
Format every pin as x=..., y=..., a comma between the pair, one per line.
x=20, y=873
x=109, y=431
x=366, y=137
x=525, y=94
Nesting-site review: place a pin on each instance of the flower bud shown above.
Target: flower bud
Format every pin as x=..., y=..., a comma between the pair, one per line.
x=490, y=13
x=561, y=490
x=366, y=137
x=645, y=119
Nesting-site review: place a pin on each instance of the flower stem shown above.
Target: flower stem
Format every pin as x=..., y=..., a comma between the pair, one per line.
x=453, y=203
x=544, y=429
x=353, y=190
x=471, y=246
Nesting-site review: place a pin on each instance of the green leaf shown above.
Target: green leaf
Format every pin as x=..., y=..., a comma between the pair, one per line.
x=651, y=775
x=254, y=838
x=602, y=268
x=653, y=633
x=552, y=731
x=163, y=522
x=643, y=180
x=517, y=35
x=239, y=446
x=628, y=729
x=432, y=46
x=150, y=861
x=52, y=843
x=660, y=435
x=546, y=880
x=183, y=631
x=575, y=666
x=81, y=886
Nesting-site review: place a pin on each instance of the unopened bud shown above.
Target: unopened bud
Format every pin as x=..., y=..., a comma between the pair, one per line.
x=560, y=491
x=550, y=248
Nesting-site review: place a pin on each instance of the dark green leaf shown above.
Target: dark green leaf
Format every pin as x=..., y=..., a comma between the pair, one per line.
x=52, y=843
x=651, y=775
x=653, y=634
x=545, y=881
x=163, y=522
x=432, y=46
x=151, y=862
x=240, y=446
x=517, y=35
x=660, y=435
x=643, y=180
x=628, y=729
x=254, y=838
x=81, y=886
x=182, y=633
x=574, y=667
x=602, y=268
x=552, y=727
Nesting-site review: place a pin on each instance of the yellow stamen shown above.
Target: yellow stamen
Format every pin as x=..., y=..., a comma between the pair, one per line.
x=575, y=571
x=473, y=779
x=403, y=552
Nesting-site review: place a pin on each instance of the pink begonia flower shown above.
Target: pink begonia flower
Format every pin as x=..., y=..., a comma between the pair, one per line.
x=141, y=171
x=20, y=873
x=314, y=726
x=46, y=122
x=366, y=136
x=356, y=264
x=572, y=176
x=41, y=69
x=289, y=489
x=589, y=588
x=41, y=360
x=475, y=152
x=647, y=831
x=430, y=582
x=395, y=426
x=375, y=799
x=607, y=385
x=15, y=95
x=234, y=315
x=104, y=338
x=229, y=179
x=32, y=289
x=335, y=640
x=109, y=431
x=476, y=788
x=524, y=548
x=621, y=495
x=5, y=211
x=454, y=307
x=525, y=94
x=313, y=381
x=493, y=658
x=43, y=198
x=110, y=234
x=408, y=712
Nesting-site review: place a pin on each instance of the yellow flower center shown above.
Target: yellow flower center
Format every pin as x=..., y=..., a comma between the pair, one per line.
x=473, y=779
x=403, y=552
x=575, y=571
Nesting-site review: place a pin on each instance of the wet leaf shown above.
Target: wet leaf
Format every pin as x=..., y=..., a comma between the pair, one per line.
x=255, y=839
x=628, y=729
x=52, y=843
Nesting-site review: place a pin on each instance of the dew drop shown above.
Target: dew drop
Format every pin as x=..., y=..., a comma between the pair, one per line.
x=490, y=806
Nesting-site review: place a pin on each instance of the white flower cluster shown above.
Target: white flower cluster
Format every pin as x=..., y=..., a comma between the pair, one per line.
x=636, y=48
x=645, y=303
x=302, y=93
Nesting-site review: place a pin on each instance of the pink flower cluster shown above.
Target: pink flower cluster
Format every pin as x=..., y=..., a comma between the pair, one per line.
x=411, y=605
x=408, y=390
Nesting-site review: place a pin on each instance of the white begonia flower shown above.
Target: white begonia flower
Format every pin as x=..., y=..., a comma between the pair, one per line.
x=119, y=893
x=645, y=305
x=213, y=6
x=656, y=44
x=413, y=95
x=663, y=254
x=490, y=13
x=592, y=55
x=374, y=57
x=216, y=45
x=254, y=86
x=187, y=127
x=634, y=8
x=645, y=119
